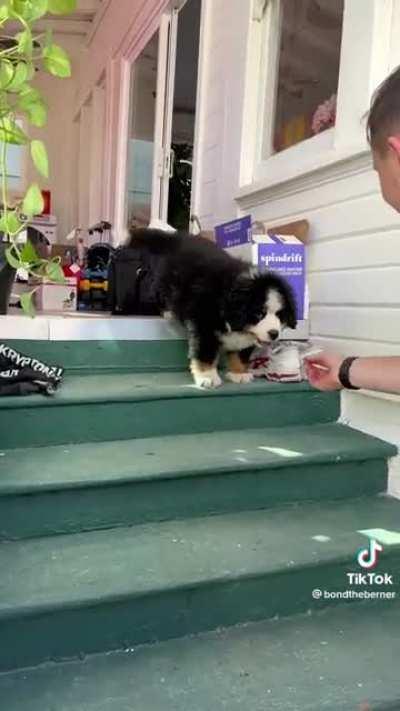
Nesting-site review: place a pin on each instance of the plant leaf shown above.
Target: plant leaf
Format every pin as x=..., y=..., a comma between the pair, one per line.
x=10, y=223
x=29, y=10
x=4, y=13
x=25, y=42
x=30, y=67
x=10, y=132
x=19, y=78
x=38, y=9
x=40, y=158
x=56, y=61
x=33, y=203
x=29, y=254
x=37, y=114
x=27, y=303
x=28, y=93
x=35, y=109
x=54, y=272
x=13, y=261
x=31, y=103
x=6, y=73
x=62, y=7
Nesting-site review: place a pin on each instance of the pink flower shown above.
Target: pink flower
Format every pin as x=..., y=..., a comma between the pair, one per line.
x=325, y=115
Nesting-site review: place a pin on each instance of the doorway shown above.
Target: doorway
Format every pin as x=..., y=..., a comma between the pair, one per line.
x=162, y=120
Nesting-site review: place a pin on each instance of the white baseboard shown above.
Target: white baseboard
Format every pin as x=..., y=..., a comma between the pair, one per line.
x=88, y=327
x=378, y=415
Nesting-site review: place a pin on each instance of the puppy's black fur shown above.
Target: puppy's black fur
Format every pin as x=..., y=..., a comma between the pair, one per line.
x=209, y=291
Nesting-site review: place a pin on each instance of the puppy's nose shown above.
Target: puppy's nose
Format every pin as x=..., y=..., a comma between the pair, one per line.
x=273, y=335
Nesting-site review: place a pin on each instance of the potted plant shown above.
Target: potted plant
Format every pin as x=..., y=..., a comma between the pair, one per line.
x=23, y=50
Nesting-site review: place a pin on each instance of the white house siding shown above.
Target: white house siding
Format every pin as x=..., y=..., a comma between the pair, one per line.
x=354, y=250
x=220, y=109
x=354, y=279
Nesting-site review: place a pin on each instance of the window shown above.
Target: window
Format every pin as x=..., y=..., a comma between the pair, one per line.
x=307, y=57
x=143, y=95
x=161, y=124
x=16, y=160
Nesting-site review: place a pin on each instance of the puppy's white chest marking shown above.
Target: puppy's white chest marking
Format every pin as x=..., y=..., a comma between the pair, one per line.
x=236, y=341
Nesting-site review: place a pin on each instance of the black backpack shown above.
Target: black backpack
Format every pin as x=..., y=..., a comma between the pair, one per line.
x=132, y=287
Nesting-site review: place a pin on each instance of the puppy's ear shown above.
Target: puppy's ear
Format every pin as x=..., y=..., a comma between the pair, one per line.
x=291, y=320
x=290, y=309
x=237, y=302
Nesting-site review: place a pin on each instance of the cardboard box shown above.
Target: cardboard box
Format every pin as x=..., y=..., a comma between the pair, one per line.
x=47, y=225
x=282, y=251
x=284, y=255
x=57, y=297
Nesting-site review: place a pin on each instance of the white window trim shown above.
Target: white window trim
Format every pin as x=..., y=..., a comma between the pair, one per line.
x=365, y=61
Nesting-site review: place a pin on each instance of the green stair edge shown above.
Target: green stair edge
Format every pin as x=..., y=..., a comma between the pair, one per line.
x=152, y=459
x=309, y=662
x=71, y=488
x=111, y=589
x=99, y=408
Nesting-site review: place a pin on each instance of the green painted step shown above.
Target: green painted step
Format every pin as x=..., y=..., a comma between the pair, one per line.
x=91, y=592
x=95, y=408
x=64, y=489
x=338, y=660
x=89, y=356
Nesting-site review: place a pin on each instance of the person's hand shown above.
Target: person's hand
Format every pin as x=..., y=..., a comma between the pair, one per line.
x=322, y=371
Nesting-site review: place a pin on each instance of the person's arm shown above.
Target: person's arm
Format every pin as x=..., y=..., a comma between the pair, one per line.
x=382, y=374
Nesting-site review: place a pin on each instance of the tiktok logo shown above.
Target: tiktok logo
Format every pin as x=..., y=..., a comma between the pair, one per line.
x=368, y=557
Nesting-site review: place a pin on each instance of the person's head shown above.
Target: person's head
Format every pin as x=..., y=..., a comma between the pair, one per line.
x=383, y=130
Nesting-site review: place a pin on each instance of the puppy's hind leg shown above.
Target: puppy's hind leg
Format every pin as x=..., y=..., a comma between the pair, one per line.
x=238, y=367
x=204, y=354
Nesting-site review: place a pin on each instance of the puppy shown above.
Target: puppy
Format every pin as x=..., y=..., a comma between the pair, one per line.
x=225, y=304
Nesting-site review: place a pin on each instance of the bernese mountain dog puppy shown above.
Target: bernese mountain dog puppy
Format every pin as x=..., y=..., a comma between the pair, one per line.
x=225, y=304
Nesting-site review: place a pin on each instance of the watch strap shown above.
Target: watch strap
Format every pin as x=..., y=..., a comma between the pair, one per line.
x=344, y=373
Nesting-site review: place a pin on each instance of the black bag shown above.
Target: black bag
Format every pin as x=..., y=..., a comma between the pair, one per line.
x=132, y=286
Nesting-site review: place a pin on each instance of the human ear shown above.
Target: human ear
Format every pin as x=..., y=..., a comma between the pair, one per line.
x=394, y=145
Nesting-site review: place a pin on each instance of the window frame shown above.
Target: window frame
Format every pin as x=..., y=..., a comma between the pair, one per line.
x=364, y=62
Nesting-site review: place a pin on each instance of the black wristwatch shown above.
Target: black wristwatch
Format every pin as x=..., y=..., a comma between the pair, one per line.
x=344, y=373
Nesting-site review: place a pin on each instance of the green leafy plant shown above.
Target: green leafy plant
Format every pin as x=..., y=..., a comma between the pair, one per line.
x=22, y=52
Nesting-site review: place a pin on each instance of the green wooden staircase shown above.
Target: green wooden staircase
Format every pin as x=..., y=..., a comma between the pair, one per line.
x=160, y=545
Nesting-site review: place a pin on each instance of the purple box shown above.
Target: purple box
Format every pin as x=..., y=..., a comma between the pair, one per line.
x=234, y=233
x=285, y=255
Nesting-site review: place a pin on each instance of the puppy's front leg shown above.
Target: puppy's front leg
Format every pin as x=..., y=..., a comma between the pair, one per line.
x=204, y=353
x=238, y=367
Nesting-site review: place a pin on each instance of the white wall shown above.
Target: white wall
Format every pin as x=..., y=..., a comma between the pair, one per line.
x=220, y=109
x=60, y=135
x=354, y=251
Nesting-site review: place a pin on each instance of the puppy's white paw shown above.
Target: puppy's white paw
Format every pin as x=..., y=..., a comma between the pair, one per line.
x=208, y=380
x=240, y=378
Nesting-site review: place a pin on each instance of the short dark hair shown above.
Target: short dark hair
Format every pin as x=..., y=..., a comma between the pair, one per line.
x=384, y=115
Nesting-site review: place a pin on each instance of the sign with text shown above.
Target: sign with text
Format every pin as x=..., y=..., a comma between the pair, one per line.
x=285, y=255
x=234, y=233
